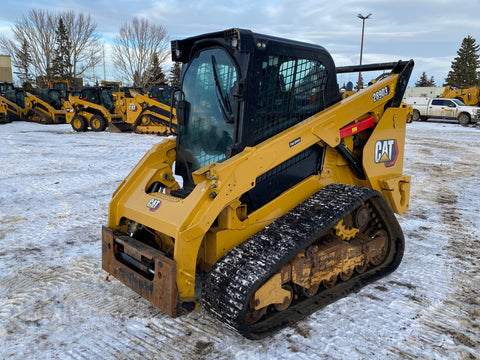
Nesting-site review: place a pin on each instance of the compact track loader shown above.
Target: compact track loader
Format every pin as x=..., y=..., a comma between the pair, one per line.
x=62, y=86
x=11, y=108
x=285, y=194
x=45, y=106
x=145, y=115
x=118, y=95
x=17, y=103
x=48, y=107
x=163, y=93
x=113, y=86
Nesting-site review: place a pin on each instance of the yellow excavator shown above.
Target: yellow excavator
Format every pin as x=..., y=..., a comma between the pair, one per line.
x=284, y=195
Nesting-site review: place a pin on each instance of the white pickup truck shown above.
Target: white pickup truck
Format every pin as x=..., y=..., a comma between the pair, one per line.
x=439, y=108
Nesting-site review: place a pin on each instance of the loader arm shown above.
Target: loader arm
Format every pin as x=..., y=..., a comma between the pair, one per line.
x=3, y=112
x=80, y=104
x=12, y=108
x=42, y=111
x=153, y=103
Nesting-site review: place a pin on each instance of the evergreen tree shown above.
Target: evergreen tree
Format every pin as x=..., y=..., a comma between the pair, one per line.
x=359, y=85
x=424, y=82
x=24, y=62
x=175, y=74
x=154, y=74
x=61, y=65
x=465, y=65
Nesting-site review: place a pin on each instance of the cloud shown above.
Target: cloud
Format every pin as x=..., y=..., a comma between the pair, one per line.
x=429, y=31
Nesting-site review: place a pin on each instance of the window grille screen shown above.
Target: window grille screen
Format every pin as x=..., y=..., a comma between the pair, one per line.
x=290, y=90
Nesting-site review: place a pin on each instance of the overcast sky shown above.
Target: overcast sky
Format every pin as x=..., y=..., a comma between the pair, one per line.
x=428, y=31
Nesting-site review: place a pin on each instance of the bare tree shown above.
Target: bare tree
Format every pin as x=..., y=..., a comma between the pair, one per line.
x=86, y=46
x=135, y=46
x=37, y=30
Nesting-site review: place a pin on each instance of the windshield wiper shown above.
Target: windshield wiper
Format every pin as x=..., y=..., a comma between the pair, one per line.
x=225, y=105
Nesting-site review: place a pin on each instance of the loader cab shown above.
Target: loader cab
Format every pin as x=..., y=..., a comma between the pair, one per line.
x=219, y=114
x=163, y=94
x=16, y=96
x=5, y=86
x=99, y=96
x=113, y=86
x=51, y=97
x=62, y=87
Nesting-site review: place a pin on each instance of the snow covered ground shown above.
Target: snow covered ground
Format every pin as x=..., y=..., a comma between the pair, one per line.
x=57, y=303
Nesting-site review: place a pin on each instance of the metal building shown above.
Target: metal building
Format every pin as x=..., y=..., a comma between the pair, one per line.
x=6, y=68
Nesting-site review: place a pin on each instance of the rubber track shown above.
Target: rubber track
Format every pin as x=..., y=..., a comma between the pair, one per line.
x=45, y=119
x=155, y=121
x=232, y=281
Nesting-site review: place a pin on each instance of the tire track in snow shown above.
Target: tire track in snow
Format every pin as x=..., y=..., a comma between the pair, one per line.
x=447, y=325
x=57, y=302
x=49, y=298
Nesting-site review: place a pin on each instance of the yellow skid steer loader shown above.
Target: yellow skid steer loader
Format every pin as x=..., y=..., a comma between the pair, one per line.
x=285, y=194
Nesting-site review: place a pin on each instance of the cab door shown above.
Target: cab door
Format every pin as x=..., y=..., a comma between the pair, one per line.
x=450, y=109
x=436, y=109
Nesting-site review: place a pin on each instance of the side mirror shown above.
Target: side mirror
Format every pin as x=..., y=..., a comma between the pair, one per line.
x=175, y=96
x=183, y=108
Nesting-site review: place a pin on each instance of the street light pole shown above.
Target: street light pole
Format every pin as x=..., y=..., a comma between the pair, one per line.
x=360, y=16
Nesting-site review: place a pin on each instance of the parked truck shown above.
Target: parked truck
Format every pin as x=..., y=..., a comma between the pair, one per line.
x=425, y=108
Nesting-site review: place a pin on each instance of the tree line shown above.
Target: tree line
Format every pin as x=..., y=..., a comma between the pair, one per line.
x=66, y=45
x=464, y=67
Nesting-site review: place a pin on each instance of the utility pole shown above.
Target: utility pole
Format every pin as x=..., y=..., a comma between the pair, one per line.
x=360, y=16
x=104, y=69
